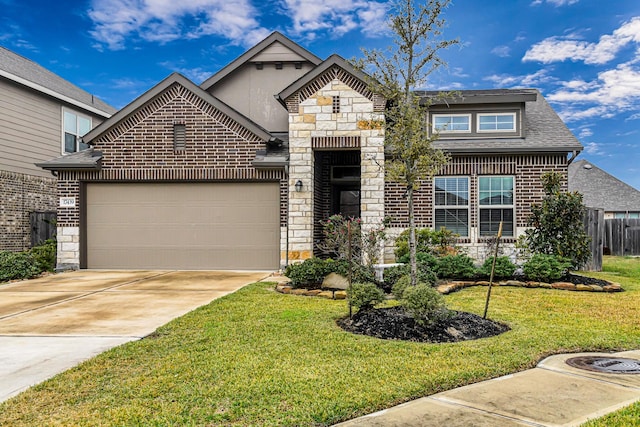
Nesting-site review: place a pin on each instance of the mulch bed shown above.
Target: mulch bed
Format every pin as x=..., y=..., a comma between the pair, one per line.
x=395, y=324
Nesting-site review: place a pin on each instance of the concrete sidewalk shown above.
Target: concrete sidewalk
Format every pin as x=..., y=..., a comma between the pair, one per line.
x=51, y=324
x=552, y=394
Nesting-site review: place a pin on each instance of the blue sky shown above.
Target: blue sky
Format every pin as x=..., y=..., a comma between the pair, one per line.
x=583, y=55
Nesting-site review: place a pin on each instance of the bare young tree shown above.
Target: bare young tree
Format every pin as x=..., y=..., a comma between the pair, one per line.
x=396, y=73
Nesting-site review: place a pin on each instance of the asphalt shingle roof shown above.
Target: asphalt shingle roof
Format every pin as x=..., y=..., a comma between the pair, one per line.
x=602, y=190
x=23, y=68
x=545, y=131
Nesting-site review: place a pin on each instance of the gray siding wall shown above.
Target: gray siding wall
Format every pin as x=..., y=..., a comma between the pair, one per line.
x=251, y=92
x=30, y=129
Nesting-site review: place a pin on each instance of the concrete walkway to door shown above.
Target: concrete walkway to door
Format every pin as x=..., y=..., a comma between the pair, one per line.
x=51, y=324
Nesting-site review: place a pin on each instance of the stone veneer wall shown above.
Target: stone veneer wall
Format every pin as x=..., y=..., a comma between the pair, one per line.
x=314, y=126
x=526, y=169
x=140, y=148
x=21, y=194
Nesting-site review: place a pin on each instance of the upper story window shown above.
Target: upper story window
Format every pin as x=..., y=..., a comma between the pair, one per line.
x=75, y=126
x=452, y=123
x=503, y=122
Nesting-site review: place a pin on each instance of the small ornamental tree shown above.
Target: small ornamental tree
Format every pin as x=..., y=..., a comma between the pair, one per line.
x=558, y=224
x=396, y=73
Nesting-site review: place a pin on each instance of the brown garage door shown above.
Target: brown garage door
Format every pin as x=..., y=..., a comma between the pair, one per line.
x=183, y=226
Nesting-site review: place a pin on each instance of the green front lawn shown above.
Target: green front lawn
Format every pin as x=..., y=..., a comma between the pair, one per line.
x=257, y=357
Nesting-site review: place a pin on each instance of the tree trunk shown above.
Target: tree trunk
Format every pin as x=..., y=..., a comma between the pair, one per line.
x=412, y=239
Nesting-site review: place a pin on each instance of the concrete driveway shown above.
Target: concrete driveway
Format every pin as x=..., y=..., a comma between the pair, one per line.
x=51, y=324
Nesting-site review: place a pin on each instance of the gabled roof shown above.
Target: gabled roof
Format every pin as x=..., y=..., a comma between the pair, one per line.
x=27, y=73
x=161, y=87
x=333, y=60
x=256, y=50
x=545, y=130
x=602, y=190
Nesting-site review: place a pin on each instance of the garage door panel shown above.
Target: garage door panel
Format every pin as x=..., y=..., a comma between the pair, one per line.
x=185, y=226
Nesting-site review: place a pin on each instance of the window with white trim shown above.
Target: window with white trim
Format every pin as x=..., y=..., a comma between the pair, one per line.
x=451, y=123
x=451, y=207
x=496, y=204
x=75, y=125
x=497, y=122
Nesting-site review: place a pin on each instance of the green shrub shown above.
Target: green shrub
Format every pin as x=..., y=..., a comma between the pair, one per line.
x=17, y=265
x=364, y=296
x=424, y=303
x=504, y=267
x=310, y=273
x=359, y=273
x=422, y=258
x=399, y=287
x=438, y=242
x=545, y=268
x=426, y=273
x=44, y=255
x=456, y=267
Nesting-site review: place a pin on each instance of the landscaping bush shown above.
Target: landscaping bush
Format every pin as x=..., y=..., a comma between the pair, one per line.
x=364, y=296
x=44, y=255
x=504, y=267
x=17, y=265
x=456, y=267
x=440, y=242
x=310, y=273
x=425, y=304
x=545, y=268
x=359, y=273
x=422, y=258
x=399, y=287
x=425, y=273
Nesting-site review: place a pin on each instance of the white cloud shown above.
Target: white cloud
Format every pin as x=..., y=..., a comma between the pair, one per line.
x=501, y=51
x=635, y=116
x=594, y=148
x=558, y=49
x=556, y=3
x=585, y=132
x=161, y=21
x=337, y=17
x=528, y=80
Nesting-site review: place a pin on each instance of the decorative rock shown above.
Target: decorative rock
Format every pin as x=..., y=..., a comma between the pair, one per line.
x=596, y=288
x=284, y=289
x=335, y=281
x=312, y=292
x=515, y=283
x=533, y=284
x=325, y=294
x=564, y=285
x=454, y=332
x=340, y=295
x=581, y=287
x=482, y=283
x=545, y=285
x=298, y=291
x=614, y=287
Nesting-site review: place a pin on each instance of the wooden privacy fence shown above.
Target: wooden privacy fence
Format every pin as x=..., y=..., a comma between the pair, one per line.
x=594, y=226
x=619, y=237
x=622, y=237
x=43, y=226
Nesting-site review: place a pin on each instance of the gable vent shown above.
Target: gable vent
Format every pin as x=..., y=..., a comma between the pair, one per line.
x=179, y=137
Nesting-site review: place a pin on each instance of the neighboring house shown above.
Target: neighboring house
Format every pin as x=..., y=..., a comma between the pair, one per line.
x=41, y=116
x=601, y=190
x=239, y=172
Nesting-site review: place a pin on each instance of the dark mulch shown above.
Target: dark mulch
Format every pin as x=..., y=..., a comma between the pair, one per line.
x=395, y=323
x=577, y=279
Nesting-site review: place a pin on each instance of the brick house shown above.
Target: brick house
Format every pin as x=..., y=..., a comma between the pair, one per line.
x=41, y=116
x=237, y=173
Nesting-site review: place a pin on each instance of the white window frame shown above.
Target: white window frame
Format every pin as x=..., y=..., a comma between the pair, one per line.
x=445, y=206
x=511, y=207
x=77, y=132
x=449, y=131
x=480, y=115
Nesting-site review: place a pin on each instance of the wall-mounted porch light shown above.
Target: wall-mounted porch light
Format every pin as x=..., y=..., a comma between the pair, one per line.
x=298, y=186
